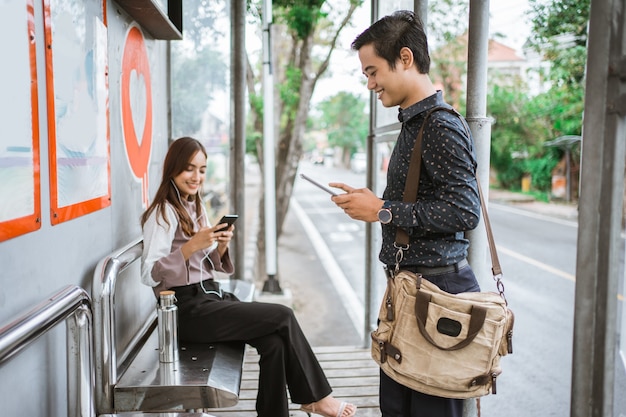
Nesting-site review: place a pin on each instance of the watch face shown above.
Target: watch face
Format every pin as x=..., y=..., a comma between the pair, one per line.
x=384, y=216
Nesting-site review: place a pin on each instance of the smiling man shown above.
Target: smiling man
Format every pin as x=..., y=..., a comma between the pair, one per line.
x=394, y=58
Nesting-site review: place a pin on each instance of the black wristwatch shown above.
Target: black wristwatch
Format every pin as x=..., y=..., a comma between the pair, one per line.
x=384, y=214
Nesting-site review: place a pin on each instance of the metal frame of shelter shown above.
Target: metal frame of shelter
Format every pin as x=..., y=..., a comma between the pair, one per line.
x=599, y=252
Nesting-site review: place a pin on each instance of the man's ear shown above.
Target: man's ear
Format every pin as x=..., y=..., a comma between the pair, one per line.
x=406, y=57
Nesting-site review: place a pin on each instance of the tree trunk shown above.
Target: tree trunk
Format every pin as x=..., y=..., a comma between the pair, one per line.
x=292, y=122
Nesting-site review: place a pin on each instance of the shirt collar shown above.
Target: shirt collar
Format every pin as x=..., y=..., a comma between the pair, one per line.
x=404, y=115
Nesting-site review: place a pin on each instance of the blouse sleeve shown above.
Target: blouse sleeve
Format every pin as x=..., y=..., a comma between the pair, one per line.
x=223, y=263
x=159, y=264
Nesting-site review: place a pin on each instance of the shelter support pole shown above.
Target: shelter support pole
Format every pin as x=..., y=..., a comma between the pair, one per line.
x=480, y=125
x=271, y=284
x=238, y=128
x=600, y=214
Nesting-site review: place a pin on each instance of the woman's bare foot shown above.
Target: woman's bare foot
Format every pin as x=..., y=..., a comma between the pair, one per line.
x=330, y=407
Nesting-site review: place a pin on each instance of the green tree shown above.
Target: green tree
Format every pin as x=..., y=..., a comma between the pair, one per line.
x=523, y=125
x=191, y=94
x=559, y=34
x=198, y=68
x=304, y=35
x=344, y=118
x=518, y=136
x=447, y=36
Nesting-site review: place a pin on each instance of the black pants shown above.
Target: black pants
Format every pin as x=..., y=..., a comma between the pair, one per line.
x=396, y=400
x=286, y=358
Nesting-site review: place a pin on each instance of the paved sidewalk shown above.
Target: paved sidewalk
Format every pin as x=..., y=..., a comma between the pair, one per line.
x=559, y=209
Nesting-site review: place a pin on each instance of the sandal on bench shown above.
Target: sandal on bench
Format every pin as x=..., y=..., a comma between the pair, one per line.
x=310, y=409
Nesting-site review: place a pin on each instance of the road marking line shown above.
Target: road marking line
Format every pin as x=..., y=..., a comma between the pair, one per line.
x=538, y=264
x=350, y=300
x=531, y=261
x=503, y=207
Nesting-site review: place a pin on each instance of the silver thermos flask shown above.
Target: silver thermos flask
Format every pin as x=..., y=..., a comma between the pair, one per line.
x=167, y=316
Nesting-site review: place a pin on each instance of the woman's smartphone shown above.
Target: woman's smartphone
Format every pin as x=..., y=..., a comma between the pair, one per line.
x=229, y=219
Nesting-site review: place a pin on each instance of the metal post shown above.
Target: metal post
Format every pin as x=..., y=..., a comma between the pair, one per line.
x=371, y=261
x=238, y=128
x=271, y=285
x=80, y=378
x=420, y=7
x=600, y=214
x=480, y=125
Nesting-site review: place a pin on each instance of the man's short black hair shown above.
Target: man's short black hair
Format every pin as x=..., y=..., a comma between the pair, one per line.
x=391, y=33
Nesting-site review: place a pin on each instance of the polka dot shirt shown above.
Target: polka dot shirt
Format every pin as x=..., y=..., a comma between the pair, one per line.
x=447, y=203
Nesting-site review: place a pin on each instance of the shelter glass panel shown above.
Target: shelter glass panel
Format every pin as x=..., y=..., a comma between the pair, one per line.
x=200, y=93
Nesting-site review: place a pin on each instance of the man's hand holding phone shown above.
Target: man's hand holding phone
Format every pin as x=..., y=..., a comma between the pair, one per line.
x=358, y=203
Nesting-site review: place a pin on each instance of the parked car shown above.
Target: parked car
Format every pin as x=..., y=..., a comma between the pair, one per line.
x=317, y=159
x=358, y=162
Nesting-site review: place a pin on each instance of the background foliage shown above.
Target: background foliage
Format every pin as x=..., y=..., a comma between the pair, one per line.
x=523, y=123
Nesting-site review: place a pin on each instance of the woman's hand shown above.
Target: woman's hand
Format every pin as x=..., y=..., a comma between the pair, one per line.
x=206, y=237
x=224, y=237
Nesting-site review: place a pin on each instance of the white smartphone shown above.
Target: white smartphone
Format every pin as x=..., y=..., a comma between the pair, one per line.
x=323, y=187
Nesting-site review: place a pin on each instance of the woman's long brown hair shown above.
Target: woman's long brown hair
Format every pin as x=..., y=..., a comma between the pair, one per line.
x=179, y=154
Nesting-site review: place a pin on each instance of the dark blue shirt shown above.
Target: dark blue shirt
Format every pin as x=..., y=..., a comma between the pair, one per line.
x=447, y=203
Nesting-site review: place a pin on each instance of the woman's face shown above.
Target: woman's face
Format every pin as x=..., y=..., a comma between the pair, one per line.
x=190, y=180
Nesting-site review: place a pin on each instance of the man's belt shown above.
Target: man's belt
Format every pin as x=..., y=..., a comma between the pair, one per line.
x=435, y=270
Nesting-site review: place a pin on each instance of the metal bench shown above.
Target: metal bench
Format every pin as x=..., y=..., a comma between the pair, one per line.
x=205, y=376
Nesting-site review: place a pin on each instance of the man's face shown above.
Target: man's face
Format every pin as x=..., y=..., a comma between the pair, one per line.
x=387, y=83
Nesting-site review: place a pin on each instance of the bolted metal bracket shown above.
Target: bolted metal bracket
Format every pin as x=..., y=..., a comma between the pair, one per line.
x=618, y=69
x=617, y=106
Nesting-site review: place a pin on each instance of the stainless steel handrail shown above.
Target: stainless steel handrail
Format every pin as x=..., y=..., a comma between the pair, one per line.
x=72, y=305
x=103, y=294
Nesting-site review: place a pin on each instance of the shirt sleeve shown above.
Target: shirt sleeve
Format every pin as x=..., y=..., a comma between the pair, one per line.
x=223, y=263
x=159, y=264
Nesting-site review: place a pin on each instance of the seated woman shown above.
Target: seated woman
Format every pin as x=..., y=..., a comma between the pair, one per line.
x=180, y=252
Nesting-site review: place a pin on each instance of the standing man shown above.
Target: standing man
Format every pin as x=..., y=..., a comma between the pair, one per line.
x=394, y=59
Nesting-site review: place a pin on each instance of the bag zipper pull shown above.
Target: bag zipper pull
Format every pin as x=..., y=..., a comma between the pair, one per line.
x=493, y=383
x=509, y=341
x=383, y=354
x=389, y=305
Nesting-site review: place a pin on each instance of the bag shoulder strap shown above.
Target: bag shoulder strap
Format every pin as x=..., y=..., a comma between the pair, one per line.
x=412, y=184
x=415, y=169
